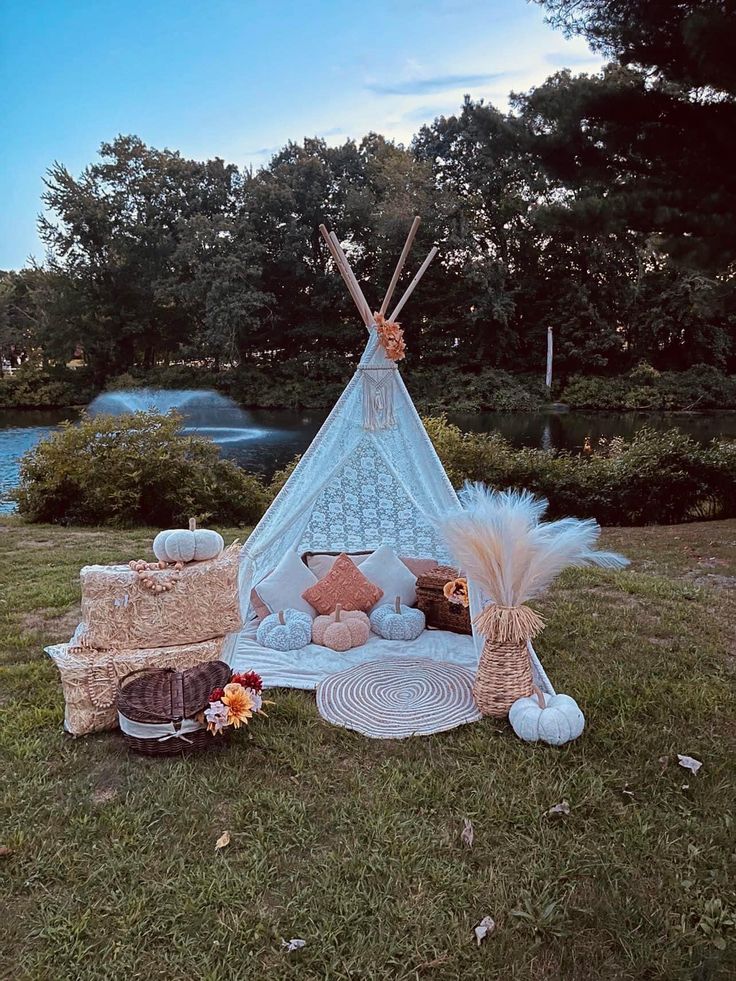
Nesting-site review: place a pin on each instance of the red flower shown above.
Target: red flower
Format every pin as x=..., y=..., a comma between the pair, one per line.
x=216, y=694
x=248, y=679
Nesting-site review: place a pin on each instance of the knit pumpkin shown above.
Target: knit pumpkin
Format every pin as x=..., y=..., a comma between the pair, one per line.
x=287, y=630
x=187, y=545
x=396, y=622
x=341, y=630
x=553, y=719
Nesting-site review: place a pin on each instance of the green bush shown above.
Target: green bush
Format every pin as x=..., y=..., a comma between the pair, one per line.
x=657, y=478
x=702, y=387
x=440, y=389
x=131, y=470
x=33, y=387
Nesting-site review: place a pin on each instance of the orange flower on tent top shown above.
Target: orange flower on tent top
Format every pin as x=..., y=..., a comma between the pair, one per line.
x=456, y=591
x=240, y=704
x=391, y=337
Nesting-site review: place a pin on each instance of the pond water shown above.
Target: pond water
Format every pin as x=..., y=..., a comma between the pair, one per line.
x=262, y=440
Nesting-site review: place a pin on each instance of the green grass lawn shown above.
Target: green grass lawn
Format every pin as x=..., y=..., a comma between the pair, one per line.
x=354, y=845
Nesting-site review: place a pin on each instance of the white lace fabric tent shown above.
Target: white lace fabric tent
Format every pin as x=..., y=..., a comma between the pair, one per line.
x=370, y=477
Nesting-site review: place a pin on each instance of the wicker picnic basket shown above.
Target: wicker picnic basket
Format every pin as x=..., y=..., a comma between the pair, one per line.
x=437, y=609
x=156, y=708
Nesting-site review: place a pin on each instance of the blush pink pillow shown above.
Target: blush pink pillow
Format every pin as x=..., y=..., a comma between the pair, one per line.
x=321, y=562
x=419, y=567
x=344, y=584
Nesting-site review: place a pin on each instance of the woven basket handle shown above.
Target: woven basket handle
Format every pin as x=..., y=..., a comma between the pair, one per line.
x=131, y=674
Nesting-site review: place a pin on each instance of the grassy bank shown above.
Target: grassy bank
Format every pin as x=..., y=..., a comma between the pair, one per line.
x=354, y=845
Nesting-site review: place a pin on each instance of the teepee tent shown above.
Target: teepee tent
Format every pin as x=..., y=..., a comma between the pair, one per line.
x=370, y=477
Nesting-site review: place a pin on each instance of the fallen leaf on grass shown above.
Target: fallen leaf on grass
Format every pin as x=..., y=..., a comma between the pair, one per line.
x=559, y=810
x=484, y=929
x=664, y=762
x=294, y=944
x=689, y=763
x=467, y=834
x=223, y=841
x=5, y=851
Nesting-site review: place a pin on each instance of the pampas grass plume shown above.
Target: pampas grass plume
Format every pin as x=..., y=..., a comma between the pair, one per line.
x=503, y=546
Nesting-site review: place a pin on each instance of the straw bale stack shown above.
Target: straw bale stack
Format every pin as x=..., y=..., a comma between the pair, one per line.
x=119, y=611
x=90, y=679
x=128, y=626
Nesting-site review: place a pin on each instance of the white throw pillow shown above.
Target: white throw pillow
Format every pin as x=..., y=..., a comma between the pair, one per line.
x=320, y=562
x=386, y=570
x=282, y=589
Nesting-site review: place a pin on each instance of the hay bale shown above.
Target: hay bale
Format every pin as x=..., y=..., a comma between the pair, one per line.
x=118, y=611
x=90, y=679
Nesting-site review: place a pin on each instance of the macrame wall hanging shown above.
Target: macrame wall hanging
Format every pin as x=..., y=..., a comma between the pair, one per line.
x=378, y=397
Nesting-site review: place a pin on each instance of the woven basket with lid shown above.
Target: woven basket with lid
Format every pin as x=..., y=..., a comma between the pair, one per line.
x=437, y=609
x=168, y=700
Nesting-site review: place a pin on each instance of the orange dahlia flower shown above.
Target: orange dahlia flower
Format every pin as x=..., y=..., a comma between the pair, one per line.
x=239, y=704
x=391, y=337
x=456, y=591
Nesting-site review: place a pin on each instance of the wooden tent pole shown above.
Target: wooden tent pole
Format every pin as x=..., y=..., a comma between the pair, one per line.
x=353, y=278
x=400, y=264
x=413, y=284
x=343, y=272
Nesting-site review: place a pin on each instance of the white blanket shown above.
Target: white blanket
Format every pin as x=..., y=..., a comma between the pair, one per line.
x=307, y=667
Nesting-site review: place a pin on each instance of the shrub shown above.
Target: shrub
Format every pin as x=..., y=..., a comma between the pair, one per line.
x=592, y=392
x=657, y=478
x=280, y=477
x=444, y=388
x=133, y=469
x=33, y=387
x=701, y=387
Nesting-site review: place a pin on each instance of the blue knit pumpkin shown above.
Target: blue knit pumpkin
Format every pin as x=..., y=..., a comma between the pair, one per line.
x=287, y=630
x=393, y=621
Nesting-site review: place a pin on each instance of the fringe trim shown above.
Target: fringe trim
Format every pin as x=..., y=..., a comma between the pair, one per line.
x=378, y=400
x=509, y=624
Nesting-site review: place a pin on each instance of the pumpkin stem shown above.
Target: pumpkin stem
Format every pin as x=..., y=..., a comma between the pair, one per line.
x=338, y=610
x=540, y=696
x=281, y=617
x=397, y=604
x=192, y=524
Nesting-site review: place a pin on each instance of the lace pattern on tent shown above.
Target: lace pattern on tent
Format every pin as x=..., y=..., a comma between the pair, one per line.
x=363, y=506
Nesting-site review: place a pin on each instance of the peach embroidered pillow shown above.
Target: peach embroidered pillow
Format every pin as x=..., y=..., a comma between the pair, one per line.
x=344, y=584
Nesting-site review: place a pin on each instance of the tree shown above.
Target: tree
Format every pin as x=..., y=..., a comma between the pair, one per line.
x=654, y=133
x=22, y=315
x=128, y=242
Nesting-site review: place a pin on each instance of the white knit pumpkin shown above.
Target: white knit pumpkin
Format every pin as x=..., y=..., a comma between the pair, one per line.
x=187, y=545
x=397, y=622
x=287, y=630
x=553, y=719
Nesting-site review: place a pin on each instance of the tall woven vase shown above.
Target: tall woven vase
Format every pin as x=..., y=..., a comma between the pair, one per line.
x=504, y=669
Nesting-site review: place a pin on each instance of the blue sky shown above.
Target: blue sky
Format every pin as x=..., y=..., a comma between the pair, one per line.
x=239, y=79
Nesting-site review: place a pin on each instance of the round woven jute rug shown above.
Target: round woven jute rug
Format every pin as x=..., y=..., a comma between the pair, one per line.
x=394, y=699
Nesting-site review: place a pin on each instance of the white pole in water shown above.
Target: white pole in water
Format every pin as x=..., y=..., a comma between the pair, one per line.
x=548, y=379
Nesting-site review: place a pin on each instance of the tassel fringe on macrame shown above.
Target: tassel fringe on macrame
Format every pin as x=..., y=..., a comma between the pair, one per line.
x=378, y=398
